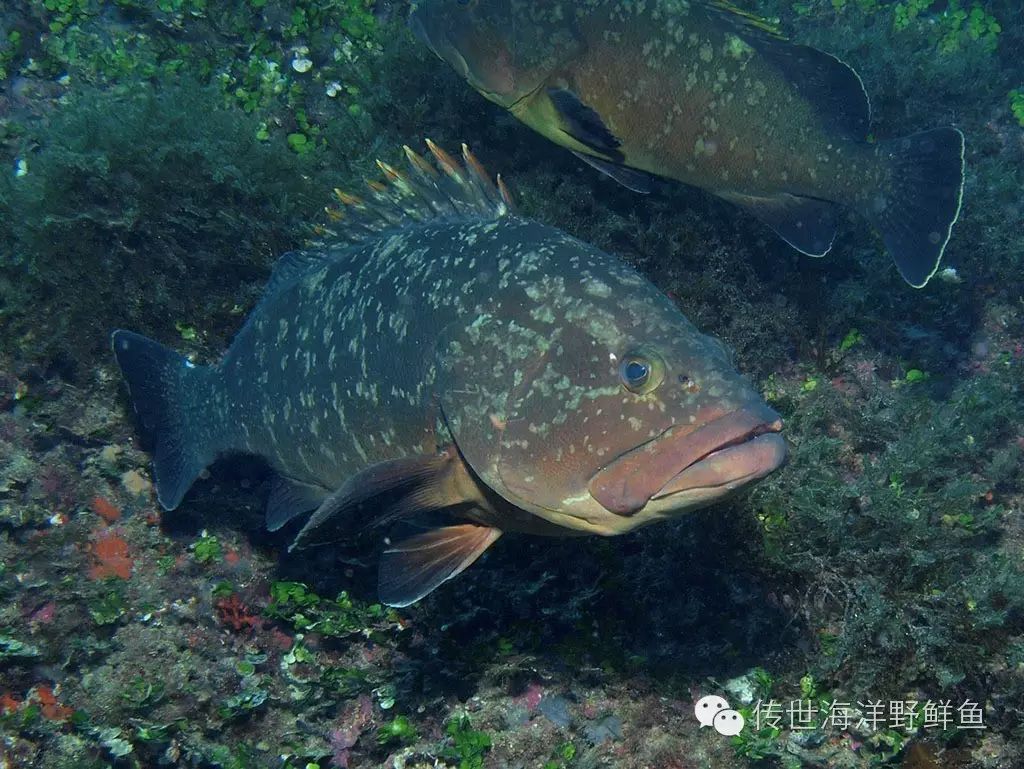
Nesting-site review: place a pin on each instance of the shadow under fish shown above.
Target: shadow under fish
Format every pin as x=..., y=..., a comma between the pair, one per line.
x=706, y=94
x=452, y=371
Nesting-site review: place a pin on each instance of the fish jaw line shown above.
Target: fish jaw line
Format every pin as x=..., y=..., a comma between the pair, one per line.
x=722, y=454
x=579, y=514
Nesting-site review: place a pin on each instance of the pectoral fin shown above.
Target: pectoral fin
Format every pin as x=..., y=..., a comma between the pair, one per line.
x=583, y=123
x=638, y=181
x=416, y=566
x=807, y=224
x=385, y=492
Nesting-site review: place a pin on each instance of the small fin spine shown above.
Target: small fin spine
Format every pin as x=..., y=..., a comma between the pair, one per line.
x=750, y=20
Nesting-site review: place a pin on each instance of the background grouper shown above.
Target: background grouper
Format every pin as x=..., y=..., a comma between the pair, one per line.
x=703, y=93
x=451, y=360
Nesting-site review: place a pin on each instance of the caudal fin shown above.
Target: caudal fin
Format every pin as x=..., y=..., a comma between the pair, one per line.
x=916, y=210
x=172, y=398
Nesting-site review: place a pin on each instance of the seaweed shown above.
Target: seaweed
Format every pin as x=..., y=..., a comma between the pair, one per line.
x=127, y=195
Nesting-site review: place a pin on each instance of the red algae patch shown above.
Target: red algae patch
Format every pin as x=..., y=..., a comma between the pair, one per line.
x=235, y=614
x=110, y=557
x=8, y=703
x=106, y=509
x=51, y=709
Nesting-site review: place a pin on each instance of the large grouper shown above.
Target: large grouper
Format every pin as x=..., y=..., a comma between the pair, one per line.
x=703, y=93
x=454, y=368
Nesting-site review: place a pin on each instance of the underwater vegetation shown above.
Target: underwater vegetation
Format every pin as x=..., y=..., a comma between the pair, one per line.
x=881, y=562
x=130, y=192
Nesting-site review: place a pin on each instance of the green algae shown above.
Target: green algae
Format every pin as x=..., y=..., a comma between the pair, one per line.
x=12, y=648
x=468, y=746
x=296, y=604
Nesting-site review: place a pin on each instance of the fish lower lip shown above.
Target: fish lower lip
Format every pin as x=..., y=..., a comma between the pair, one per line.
x=720, y=452
x=731, y=465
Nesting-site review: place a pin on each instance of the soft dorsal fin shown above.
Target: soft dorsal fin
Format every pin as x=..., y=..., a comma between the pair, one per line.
x=831, y=85
x=441, y=191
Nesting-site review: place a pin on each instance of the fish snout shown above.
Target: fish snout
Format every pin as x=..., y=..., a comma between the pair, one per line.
x=437, y=41
x=698, y=463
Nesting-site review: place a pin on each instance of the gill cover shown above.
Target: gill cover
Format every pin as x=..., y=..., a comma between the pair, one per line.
x=483, y=368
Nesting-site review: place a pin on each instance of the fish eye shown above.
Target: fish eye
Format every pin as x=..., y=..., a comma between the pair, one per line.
x=641, y=372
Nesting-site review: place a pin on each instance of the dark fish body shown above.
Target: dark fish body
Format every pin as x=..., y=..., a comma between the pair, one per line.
x=701, y=93
x=453, y=357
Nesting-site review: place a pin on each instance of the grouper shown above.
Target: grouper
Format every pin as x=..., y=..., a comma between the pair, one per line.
x=444, y=364
x=703, y=93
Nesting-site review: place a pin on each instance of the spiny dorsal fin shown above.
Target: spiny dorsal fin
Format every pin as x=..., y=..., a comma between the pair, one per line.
x=420, y=194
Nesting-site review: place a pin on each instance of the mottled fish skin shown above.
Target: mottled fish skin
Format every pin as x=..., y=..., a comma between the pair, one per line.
x=703, y=94
x=341, y=370
x=474, y=361
x=688, y=98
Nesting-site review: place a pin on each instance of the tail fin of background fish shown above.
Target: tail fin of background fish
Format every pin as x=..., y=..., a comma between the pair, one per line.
x=173, y=400
x=917, y=211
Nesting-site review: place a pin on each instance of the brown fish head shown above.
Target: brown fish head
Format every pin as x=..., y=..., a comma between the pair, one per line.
x=505, y=50
x=592, y=402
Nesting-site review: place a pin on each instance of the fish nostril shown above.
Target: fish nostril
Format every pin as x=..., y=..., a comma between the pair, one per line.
x=687, y=384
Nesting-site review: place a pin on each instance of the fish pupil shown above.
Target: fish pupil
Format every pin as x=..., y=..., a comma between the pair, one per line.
x=637, y=372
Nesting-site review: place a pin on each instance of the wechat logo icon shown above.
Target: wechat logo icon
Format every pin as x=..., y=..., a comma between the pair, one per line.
x=714, y=711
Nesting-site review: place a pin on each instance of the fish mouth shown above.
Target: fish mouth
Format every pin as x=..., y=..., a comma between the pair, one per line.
x=697, y=465
x=437, y=42
x=496, y=80
x=731, y=466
